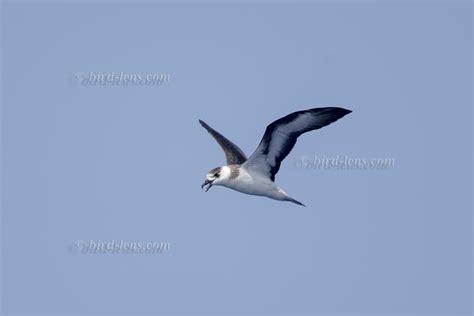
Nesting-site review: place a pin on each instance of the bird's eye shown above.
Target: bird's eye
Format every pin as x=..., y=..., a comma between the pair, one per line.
x=216, y=175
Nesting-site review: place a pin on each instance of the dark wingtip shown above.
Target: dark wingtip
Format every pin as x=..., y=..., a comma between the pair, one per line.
x=343, y=111
x=203, y=124
x=348, y=111
x=338, y=113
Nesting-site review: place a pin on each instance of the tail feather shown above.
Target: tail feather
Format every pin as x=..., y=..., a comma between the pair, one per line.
x=290, y=199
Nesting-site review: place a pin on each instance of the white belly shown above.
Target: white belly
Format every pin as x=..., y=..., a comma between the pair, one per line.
x=254, y=184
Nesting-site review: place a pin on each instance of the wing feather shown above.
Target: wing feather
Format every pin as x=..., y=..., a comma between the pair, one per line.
x=280, y=137
x=234, y=155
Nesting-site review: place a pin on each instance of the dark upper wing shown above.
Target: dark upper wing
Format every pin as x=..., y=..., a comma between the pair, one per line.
x=233, y=154
x=280, y=137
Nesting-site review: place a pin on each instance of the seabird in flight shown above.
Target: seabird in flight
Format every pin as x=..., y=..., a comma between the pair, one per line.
x=256, y=175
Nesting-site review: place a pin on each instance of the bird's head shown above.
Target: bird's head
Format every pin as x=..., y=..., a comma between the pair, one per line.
x=216, y=176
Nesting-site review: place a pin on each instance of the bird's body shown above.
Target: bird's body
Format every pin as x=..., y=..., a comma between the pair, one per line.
x=249, y=182
x=256, y=175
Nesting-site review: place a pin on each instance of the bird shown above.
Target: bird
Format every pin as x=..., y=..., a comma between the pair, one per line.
x=255, y=175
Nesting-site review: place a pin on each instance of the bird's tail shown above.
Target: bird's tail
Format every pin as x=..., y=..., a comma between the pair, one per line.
x=283, y=196
x=290, y=199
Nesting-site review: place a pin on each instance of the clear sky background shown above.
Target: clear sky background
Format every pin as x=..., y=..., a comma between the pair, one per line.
x=109, y=162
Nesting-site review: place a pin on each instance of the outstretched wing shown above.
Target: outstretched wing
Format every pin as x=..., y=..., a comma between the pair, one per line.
x=280, y=137
x=233, y=154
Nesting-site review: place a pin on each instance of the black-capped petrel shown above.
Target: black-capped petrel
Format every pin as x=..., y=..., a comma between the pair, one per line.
x=256, y=175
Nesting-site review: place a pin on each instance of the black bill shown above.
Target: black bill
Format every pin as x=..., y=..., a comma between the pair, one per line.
x=206, y=185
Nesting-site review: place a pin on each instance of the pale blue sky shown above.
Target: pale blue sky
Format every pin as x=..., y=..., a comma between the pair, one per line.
x=126, y=162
